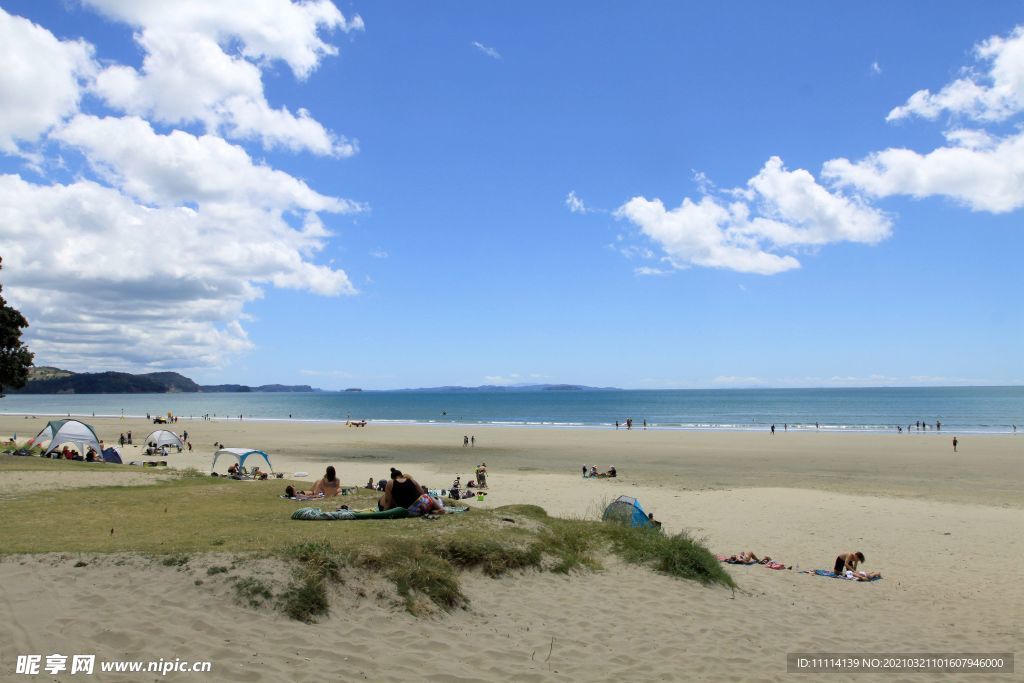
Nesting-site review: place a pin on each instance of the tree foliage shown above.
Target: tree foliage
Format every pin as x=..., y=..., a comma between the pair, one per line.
x=15, y=358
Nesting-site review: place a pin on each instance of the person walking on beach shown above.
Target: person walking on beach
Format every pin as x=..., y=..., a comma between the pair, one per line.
x=955, y=442
x=472, y=440
x=773, y=429
x=938, y=426
x=465, y=441
x=645, y=423
x=616, y=424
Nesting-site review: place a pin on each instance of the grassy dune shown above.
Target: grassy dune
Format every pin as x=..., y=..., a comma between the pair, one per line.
x=194, y=513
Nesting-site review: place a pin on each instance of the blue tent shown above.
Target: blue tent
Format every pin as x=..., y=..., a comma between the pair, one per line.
x=111, y=455
x=240, y=454
x=626, y=510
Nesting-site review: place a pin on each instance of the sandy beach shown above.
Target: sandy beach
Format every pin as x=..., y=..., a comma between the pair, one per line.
x=942, y=528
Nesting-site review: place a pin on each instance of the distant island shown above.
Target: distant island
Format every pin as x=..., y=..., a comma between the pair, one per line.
x=512, y=388
x=49, y=380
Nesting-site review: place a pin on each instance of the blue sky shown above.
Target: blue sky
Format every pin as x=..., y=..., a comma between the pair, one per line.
x=449, y=138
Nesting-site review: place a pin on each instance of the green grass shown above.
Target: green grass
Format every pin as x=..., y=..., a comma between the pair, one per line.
x=680, y=555
x=175, y=519
x=252, y=592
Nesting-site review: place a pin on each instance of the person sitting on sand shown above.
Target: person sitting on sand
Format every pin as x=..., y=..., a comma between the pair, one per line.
x=330, y=485
x=456, y=489
x=593, y=471
x=611, y=472
x=401, y=492
x=369, y=484
x=654, y=522
x=848, y=561
x=233, y=470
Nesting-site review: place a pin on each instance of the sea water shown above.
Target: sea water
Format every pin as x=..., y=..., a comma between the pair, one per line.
x=963, y=409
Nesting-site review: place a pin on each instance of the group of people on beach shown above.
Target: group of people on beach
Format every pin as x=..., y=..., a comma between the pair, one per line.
x=629, y=423
x=67, y=453
x=400, y=490
x=844, y=567
x=592, y=472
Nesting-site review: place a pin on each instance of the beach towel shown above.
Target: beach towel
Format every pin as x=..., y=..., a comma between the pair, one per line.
x=828, y=573
x=317, y=514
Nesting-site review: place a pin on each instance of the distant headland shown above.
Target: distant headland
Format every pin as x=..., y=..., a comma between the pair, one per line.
x=50, y=380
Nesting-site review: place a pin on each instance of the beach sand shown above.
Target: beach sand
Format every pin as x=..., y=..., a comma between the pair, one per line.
x=944, y=530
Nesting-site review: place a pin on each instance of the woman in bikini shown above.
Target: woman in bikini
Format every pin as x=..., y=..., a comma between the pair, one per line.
x=329, y=486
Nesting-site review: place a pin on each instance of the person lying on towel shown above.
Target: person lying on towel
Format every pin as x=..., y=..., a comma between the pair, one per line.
x=290, y=492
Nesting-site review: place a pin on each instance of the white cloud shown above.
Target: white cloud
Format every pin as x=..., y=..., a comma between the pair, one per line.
x=40, y=82
x=741, y=231
x=876, y=68
x=266, y=29
x=379, y=253
x=503, y=380
x=203, y=64
x=153, y=266
x=489, y=51
x=107, y=282
x=977, y=168
x=984, y=174
x=994, y=93
x=736, y=380
x=181, y=167
x=574, y=203
x=647, y=271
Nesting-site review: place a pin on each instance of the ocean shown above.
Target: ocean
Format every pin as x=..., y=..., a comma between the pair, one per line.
x=963, y=409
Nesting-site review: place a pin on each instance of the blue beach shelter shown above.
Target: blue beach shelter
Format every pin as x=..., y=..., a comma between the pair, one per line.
x=626, y=510
x=240, y=454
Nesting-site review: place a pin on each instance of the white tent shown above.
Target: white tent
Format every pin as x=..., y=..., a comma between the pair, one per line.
x=60, y=432
x=163, y=437
x=240, y=454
